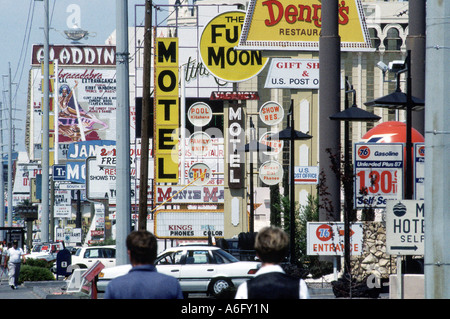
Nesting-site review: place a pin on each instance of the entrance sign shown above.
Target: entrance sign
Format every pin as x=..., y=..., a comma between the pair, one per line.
x=166, y=110
x=378, y=173
x=271, y=113
x=327, y=239
x=189, y=224
x=296, y=25
x=271, y=172
x=405, y=227
x=217, y=49
x=293, y=74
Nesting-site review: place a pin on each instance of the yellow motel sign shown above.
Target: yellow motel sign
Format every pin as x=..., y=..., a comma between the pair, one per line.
x=296, y=25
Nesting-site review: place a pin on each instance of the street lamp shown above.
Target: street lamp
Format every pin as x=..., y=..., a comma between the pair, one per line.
x=353, y=114
x=400, y=100
x=291, y=135
x=253, y=146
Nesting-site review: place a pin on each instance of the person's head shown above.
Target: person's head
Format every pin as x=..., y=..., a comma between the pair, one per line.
x=271, y=245
x=142, y=247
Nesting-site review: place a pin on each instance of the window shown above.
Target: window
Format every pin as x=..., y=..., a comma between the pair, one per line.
x=109, y=253
x=393, y=42
x=170, y=258
x=197, y=257
x=374, y=39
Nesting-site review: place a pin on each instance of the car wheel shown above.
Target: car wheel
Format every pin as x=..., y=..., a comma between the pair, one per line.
x=218, y=285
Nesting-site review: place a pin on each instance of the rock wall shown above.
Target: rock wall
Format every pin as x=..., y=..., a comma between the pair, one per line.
x=374, y=260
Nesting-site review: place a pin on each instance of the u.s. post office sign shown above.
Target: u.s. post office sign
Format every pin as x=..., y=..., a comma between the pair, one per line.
x=296, y=25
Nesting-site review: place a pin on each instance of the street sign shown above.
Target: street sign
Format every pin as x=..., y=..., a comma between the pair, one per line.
x=327, y=239
x=378, y=173
x=59, y=172
x=405, y=227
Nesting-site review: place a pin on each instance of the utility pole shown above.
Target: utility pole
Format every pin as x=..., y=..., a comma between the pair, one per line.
x=45, y=138
x=143, y=183
x=10, y=142
x=123, y=207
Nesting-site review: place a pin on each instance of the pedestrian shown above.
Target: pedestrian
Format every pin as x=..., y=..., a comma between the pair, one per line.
x=143, y=281
x=270, y=281
x=14, y=256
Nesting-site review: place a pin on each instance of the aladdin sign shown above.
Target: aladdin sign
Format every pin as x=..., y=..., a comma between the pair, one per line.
x=288, y=24
x=76, y=55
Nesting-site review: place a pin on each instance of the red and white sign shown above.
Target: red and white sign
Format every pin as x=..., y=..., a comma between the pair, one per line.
x=199, y=174
x=271, y=172
x=275, y=145
x=378, y=173
x=200, y=143
x=271, y=113
x=293, y=74
x=328, y=238
x=200, y=114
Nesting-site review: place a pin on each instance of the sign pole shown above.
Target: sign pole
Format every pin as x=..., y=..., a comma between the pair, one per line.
x=399, y=278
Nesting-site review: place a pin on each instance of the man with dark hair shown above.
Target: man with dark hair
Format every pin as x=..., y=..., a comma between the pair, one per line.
x=271, y=282
x=143, y=280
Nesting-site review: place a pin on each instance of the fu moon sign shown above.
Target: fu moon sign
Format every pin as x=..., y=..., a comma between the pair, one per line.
x=217, y=49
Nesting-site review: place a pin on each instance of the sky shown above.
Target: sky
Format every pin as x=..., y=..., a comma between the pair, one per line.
x=22, y=23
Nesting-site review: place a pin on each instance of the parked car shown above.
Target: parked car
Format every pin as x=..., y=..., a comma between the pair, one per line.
x=199, y=268
x=85, y=257
x=45, y=251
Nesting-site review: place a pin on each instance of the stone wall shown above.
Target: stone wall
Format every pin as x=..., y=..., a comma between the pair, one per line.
x=374, y=260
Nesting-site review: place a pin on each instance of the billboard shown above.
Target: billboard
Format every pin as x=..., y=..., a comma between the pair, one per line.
x=296, y=25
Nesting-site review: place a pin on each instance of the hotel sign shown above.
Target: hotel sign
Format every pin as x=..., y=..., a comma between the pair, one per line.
x=289, y=24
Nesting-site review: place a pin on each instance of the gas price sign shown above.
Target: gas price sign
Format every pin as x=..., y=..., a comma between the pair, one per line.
x=378, y=173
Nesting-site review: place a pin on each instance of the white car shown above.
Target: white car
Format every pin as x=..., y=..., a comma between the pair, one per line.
x=85, y=257
x=45, y=251
x=207, y=269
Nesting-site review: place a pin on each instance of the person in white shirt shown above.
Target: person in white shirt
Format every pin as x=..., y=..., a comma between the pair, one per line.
x=270, y=281
x=14, y=256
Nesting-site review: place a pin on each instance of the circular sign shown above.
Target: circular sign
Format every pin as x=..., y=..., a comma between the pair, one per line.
x=200, y=143
x=275, y=145
x=271, y=172
x=199, y=174
x=217, y=49
x=363, y=152
x=324, y=232
x=271, y=113
x=199, y=114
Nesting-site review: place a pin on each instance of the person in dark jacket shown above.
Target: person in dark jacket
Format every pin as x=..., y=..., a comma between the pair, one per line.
x=143, y=280
x=270, y=281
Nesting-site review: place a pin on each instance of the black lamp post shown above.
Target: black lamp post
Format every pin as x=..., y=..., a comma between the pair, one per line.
x=353, y=114
x=291, y=135
x=400, y=100
x=253, y=146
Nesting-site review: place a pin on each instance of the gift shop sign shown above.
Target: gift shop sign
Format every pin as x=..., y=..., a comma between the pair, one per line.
x=378, y=173
x=328, y=239
x=293, y=74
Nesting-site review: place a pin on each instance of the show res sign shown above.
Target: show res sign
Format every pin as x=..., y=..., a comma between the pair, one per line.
x=217, y=49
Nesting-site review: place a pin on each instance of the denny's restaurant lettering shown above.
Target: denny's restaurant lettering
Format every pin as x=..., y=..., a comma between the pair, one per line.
x=217, y=49
x=288, y=24
x=166, y=110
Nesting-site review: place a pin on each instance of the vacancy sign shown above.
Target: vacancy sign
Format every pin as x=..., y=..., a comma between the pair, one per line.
x=378, y=173
x=405, y=227
x=327, y=239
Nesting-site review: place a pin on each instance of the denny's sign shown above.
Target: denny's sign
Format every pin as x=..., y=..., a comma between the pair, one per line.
x=296, y=24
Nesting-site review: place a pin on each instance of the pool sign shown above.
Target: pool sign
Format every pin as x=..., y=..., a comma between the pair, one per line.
x=327, y=239
x=217, y=49
x=199, y=114
x=378, y=173
x=405, y=227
